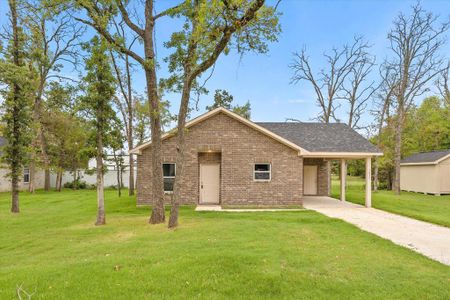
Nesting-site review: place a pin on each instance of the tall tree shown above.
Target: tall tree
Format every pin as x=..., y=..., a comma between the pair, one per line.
x=224, y=99
x=329, y=83
x=16, y=75
x=415, y=42
x=100, y=16
x=210, y=29
x=125, y=101
x=54, y=42
x=383, y=103
x=100, y=90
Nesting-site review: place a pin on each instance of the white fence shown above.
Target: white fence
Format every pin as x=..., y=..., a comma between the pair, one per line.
x=110, y=178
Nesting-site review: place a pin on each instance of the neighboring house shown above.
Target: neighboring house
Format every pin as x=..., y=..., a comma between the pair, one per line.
x=5, y=182
x=427, y=172
x=230, y=160
x=110, y=176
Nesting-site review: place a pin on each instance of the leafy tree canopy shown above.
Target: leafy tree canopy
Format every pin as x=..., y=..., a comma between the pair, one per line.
x=223, y=98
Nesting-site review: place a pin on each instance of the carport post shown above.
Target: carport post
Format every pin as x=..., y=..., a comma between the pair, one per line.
x=343, y=178
x=368, y=182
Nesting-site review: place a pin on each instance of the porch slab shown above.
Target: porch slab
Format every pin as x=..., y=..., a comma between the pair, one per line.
x=208, y=208
x=219, y=208
x=428, y=239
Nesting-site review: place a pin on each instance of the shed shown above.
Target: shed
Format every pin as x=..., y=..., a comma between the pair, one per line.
x=426, y=172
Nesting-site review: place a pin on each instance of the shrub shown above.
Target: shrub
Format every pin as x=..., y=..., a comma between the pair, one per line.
x=76, y=184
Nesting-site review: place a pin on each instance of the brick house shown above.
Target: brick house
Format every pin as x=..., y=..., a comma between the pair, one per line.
x=233, y=161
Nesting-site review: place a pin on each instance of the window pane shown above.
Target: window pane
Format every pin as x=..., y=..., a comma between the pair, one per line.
x=168, y=184
x=262, y=175
x=169, y=170
x=26, y=175
x=262, y=167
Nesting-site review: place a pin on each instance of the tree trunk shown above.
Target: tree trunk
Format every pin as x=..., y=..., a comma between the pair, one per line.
x=118, y=174
x=47, y=180
x=57, y=181
x=131, y=175
x=375, y=174
x=398, y=151
x=173, y=220
x=74, y=179
x=121, y=177
x=130, y=128
x=60, y=181
x=158, y=215
x=15, y=194
x=32, y=168
x=44, y=149
x=101, y=220
x=15, y=162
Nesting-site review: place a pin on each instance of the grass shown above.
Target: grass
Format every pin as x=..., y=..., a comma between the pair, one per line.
x=53, y=247
x=430, y=208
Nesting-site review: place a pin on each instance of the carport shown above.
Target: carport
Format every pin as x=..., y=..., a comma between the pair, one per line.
x=343, y=159
x=328, y=142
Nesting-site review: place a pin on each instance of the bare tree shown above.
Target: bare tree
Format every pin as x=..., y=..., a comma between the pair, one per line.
x=415, y=42
x=357, y=89
x=328, y=84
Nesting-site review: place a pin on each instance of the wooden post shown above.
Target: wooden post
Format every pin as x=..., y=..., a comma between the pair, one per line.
x=343, y=178
x=368, y=182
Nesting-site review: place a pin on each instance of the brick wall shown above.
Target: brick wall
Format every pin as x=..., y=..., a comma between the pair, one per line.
x=240, y=147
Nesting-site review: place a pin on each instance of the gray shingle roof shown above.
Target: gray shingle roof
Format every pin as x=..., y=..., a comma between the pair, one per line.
x=320, y=137
x=425, y=157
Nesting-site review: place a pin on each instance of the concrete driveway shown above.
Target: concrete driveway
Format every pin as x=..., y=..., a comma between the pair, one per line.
x=428, y=239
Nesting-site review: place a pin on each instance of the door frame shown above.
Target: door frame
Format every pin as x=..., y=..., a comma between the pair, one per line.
x=200, y=182
x=317, y=180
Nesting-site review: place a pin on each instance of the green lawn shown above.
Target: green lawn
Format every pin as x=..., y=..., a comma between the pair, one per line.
x=430, y=208
x=52, y=247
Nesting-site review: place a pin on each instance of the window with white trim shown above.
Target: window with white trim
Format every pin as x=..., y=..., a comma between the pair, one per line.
x=262, y=172
x=169, y=171
x=26, y=175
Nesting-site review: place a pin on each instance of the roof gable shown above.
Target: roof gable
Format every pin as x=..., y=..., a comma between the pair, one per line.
x=233, y=115
x=426, y=158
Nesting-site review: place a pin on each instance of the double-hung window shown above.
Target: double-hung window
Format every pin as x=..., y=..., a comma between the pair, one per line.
x=262, y=172
x=26, y=175
x=169, y=171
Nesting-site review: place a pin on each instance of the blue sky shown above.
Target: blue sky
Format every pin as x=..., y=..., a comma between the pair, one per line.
x=264, y=80
x=317, y=25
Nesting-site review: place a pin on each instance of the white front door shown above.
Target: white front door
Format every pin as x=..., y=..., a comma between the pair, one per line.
x=310, y=180
x=209, y=183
